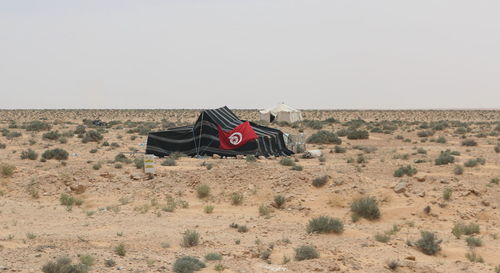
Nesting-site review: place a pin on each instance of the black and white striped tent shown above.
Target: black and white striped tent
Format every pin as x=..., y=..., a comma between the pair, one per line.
x=203, y=139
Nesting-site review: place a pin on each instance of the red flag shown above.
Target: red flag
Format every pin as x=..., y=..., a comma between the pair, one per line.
x=237, y=137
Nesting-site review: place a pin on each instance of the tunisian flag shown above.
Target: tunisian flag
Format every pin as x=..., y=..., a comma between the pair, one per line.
x=237, y=137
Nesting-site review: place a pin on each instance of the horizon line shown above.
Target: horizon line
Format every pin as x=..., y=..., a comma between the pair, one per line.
x=304, y=109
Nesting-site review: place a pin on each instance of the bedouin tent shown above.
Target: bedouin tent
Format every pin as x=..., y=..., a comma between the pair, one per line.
x=281, y=112
x=218, y=131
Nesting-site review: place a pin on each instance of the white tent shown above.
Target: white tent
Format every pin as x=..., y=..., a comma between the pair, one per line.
x=281, y=112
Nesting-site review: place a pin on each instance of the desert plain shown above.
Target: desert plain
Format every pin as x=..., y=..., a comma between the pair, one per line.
x=97, y=206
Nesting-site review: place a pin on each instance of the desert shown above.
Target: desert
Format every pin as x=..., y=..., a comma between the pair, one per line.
x=393, y=191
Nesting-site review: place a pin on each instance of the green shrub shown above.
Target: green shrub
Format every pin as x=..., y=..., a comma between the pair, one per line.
x=264, y=210
x=421, y=151
x=469, y=142
x=96, y=166
x=447, y=192
x=214, y=256
x=139, y=163
x=279, y=201
x=242, y=229
x=473, y=241
x=57, y=154
x=325, y=224
x=52, y=135
x=306, y=252
x=29, y=154
x=444, y=158
x=191, y=238
x=460, y=229
x=7, y=170
x=120, y=250
x=474, y=162
x=342, y=132
x=495, y=180
x=382, y=237
x=11, y=135
x=297, y=168
x=324, y=137
x=474, y=257
x=360, y=159
x=69, y=200
x=357, y=134
x=80, y=130
x=320, y=181
x=405, y=170
x=339, y=149
x=87, y=260
x=208, y=209
x=203, y=191
x=251, y=158
x=366, y=207
x=287, y=161
x=169, y=162
x=428, y=243
x=92, y=136
x=122, y=158
x=37, y=126
x=425, y=133
x=64, y=265
x=441, y=140
x=177, y=155
x=2, y=146
x=188, y=264
x=236, y=198
x=497, y=148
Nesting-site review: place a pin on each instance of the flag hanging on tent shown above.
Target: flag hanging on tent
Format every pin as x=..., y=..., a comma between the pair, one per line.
x=237, y=137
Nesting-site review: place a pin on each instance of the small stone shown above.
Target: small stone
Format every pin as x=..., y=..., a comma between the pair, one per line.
x=400, y=187
x=78, y=189
x=420, y=178
x=216, y=156
x=411, y=258
x=240, y=156
x=485, y=203
x=134, y=177
x=422, y=194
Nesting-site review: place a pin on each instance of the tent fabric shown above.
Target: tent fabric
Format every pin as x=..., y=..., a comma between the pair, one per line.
x=203, y=137
x=281, y=112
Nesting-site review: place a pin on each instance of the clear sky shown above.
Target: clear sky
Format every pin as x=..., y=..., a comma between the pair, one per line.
x=351, y=54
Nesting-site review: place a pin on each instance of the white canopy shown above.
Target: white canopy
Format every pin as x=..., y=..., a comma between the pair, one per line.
x=279, y=108
x=281, y=112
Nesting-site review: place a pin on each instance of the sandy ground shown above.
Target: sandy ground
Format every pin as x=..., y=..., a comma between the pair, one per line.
x=123, y=205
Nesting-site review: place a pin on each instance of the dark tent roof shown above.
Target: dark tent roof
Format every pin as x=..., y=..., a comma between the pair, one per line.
x=203, y=137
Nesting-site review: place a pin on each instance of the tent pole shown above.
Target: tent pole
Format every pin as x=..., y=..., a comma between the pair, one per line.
x=201, y=128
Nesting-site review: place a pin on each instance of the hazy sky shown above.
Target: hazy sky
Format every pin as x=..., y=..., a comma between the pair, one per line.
x=249, y=54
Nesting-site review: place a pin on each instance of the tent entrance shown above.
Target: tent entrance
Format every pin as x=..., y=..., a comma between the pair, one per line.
x=271, y=117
